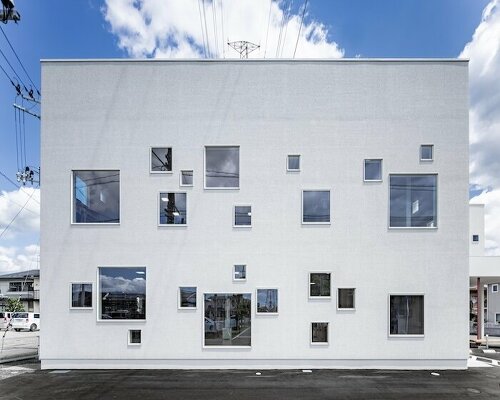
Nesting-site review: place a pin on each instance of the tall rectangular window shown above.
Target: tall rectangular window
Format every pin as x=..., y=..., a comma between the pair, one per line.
x=81, y=295
x=267, y=301
x=96, y=196
x=345, y=300
x=161, y=160
x=227, y=319
x=134, y=337
x=319, y=284
x=187, y=297
x=373, y=170
x=242, y=216
x=413, y=201
x=122, y=293
x=426, y=152
x=239, y=272
x=319, y=333
x=173, y=208
x=315, y=206
x=406, y=314
x=222, y=167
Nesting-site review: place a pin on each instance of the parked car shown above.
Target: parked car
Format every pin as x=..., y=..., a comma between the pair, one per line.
x=25, y=320
x=4, y=319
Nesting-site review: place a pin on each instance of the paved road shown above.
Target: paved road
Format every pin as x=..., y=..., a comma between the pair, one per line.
x=493, y=354
x=14, y=345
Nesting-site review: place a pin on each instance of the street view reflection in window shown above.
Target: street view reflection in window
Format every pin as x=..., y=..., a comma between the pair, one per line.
x=173, y=209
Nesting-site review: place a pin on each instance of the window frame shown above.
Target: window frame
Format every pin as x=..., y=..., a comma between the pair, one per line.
x=432, y=152
x=151, y=160
x=300, y=162
x=353, y=299
x=493, y=288
x=234, y=273
x=402, y=335
x=234, y=215
x=381, y=170
x=180, y=177
x=158, y=197
x=327, y=333
x=129, y=337
x=205, y=167
x=302, y=206
x=179, y=301
x=497, y=320
x=309, y=285
x=71, y=295
x=72, y=175
x=473, y=238
x=257, y=312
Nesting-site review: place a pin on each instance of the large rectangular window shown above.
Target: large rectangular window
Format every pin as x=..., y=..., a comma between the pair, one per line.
x=161, y=160
x=316, y=207
x=81, y=295
x=173, y=208
x=406, y=314
x=267, y=301
x=122, y=293
x=413, y=201
x=96, y=196
x=319, y=284
x=227, y=319
x=222, y=167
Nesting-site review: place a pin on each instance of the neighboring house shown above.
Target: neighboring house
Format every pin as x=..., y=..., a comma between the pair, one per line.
x=23, y=285
x=255, y=213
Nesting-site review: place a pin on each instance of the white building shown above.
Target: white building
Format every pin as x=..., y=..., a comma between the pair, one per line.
x=25, y=286
x=254, y=214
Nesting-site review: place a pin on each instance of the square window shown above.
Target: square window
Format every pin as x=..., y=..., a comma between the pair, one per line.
x=406, y=314
x=161, y=160
x=293, y=162
x=494, y=288
x=186, y=177
x=413, y=201
x=172, y=208
x=319, y=333
x=81, y=295
x=267, y=301
x=134, y=336
x=315, y=206
x=222, y=167
x=475, y=238
x=96, y=197
x=242, y=216
x=373, y=170
x=345, y=299
x=426, y=152
x=319, y=284
x=239, y=272
x=187, y=297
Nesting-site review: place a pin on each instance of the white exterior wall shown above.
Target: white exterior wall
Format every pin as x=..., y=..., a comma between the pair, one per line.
x=476, y=227
x=107, y=114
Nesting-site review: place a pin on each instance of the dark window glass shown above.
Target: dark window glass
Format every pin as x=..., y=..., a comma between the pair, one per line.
x=373, y=170
x=346, y=298
x=293, y=162
x=407, y=315
x=267, y=300
x=161, y=159
x=81, y=295
x=36, y=315
x=187, y=178
x=243, y=215
x=240, y=272
x=475, y=238
x=319, y=332
x=319, y=284
x=228, y=319
x=222, y=167
x=413, y=201
x=135, y=336
x=122, y=292
x=426, y=151
x=173, y=209
x=316, y=206
x=187, y=297
x=96, y=196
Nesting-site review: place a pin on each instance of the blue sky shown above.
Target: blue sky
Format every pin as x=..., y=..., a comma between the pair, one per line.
x=108, y=29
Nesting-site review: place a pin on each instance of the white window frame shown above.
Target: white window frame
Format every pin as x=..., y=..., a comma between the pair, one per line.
x=496, y=318
x=180, y=177
x=403, y=336
x=205, y=166
x=300, y=162
x=234, y=274
x=129, y=337
x=432, y=151
x=494, y=288
x=158, y=197
x=150, y=159
x=71, y=295
x=309, y=285
x=354, y=299
x=381, y=170
x=302, y=206
x=327, y=333
x=179, y=302
x=234, y=215
x=72, y=175
x=256, y=300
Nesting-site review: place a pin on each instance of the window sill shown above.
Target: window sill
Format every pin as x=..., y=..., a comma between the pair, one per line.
x=121, y=321
x=95, y=223
x=187, y=308
x=418, y=228
x=134, y=344
x=221, y=188
x=320, y=297
x=227, y=347
x=242, y=226
x=161, y=172
x=266, y=313
x=171, y=225
x=81, y=308
x=319, y=343
x=403, y=336
x=346, y=309
x=316, y=223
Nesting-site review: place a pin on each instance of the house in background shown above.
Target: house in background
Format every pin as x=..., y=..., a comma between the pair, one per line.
x=24, y=286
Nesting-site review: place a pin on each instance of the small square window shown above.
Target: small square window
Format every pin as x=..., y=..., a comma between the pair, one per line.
x=345, y=299
x=187, y=297
x=239, y=272
x=494, y=288
x=242, y=216
x=426, y=152
x=134, y=337
x=319, y=333
x=161, y=160
x=81, y=295
x=267, y=301
x=293, y=163
x=475, y=238
x=186, y=177
x=373, y=170
x=172, y=208
x=319, y=284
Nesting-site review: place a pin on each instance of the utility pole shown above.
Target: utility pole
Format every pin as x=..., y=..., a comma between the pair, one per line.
x=243, y=47
x=8, y=12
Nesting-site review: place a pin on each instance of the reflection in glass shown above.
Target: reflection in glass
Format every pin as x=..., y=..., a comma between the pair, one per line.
x=222, y=167
x=407, y=315
x=187, y=297
x=240, y=272
x=96, y=196
x=173, y=208
x=227, y=319
x=135, y=336
x=242, y=215
x=426, y=152
x=267, y=300
x=373, y=170
x=81, y=295
x=319, y=332
x=294, y=162
x=122, y=292
x=161, y=159
x=187, y=178
x=315, y=206
x=319, y=284
x=413, y=201
x=346, y=298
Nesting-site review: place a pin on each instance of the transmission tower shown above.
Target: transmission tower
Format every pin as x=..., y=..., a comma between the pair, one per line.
x=243, y=47
x=8, y=13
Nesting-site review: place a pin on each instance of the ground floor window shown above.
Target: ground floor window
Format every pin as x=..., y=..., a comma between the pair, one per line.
x=227, y=319
x=406, y=314
x=134, y=336
x=319, y=332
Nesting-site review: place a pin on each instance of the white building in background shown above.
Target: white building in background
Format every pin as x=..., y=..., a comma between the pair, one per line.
x=254, y=214
x=24, y=286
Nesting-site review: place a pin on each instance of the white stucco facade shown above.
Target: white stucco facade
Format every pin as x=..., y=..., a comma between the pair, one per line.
x=335, y=114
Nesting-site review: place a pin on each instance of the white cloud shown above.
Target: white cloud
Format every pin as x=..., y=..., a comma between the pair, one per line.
x=173, y=29
x=13, y=259
x=120, y=284
x=28, y=220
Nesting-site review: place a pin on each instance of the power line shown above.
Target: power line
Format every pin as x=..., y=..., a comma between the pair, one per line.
x=222, y=22
x=12, y=68
x=300, y=28
x=19, y=212
x=214, y=19
x=268, y=23
x=202, y=31
x=286, y=27
x=15, y=184
x=206, y=29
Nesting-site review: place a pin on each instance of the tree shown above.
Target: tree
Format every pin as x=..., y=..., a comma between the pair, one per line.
x=14, y=305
